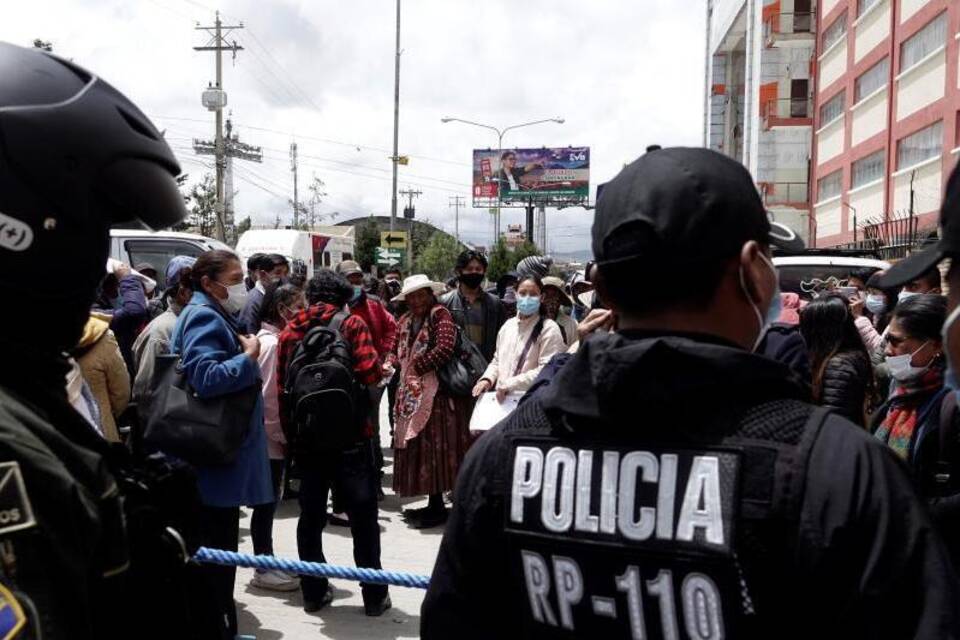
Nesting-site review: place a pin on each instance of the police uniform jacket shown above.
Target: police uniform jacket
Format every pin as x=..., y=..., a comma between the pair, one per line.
x=678, y=486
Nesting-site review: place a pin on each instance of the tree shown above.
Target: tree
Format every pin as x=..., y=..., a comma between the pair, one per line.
x=317, y=194
x=244, y=226
x=499, y=261
x=366, y=241
x=439, y=257
x=201, y=201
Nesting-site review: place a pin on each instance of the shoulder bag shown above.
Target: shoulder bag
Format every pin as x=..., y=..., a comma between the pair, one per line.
x=202, y=431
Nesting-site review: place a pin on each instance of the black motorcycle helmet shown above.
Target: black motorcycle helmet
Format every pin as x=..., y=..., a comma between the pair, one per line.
x=75, y=157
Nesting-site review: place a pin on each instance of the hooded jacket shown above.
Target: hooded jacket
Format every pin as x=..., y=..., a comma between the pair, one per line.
x=105, y=371
x=860, y=561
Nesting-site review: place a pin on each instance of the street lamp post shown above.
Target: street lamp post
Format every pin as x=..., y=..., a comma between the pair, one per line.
x=500, y=133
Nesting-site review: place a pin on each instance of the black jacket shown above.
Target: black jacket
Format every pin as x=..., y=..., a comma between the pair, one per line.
x=784, y=343
x=860, y=561
x=493, y=313
x=844, y=384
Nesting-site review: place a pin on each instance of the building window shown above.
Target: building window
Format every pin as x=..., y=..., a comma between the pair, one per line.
x=871, y=80
x=923, y=42
x=830, y=186
x=922, y=145
x=868, y=169
x=832, y=109
x=833, y=33
x=863, y=5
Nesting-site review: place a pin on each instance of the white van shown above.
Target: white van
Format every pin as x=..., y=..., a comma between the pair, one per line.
x=135, y=246
x=315, y=249
x=807, y=275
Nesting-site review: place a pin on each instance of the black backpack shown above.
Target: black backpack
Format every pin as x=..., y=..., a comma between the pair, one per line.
x=326, y=403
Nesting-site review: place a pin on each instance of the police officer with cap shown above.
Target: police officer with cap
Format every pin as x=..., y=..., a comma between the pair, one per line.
x=672, y=484
x=935, y=451
x=75, y=157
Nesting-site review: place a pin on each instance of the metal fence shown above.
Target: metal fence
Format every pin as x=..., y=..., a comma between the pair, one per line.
x=892, y=239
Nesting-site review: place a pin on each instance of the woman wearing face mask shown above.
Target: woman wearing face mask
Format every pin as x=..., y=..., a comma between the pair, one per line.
x=281, y=303
x=524, y=345
x=915, y=359
x=871, y=313
x=217, y=361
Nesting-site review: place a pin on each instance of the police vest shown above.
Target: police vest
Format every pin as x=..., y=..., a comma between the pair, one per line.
x=673, y=541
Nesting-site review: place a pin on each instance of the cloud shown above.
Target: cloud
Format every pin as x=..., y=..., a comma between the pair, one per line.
x=624, y=74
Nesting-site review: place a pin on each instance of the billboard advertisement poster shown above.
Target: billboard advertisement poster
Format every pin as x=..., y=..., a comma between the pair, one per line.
x=516, y=177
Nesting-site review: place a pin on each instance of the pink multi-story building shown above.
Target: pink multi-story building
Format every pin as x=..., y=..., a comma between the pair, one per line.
x=886, y=118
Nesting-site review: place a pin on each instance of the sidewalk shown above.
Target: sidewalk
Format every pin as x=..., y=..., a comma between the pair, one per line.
x=272, y=615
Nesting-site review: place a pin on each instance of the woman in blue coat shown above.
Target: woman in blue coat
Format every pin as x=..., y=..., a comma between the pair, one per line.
x=217, y=361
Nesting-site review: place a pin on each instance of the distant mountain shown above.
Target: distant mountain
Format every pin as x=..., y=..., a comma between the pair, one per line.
x=584, y=255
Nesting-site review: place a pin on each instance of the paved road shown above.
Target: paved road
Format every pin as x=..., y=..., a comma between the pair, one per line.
x=270, y=615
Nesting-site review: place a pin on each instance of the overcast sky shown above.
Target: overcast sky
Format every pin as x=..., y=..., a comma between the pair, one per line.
x=623, y=73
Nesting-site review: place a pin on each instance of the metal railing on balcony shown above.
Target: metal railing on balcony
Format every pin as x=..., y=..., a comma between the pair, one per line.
x=784, y=192
x=788, y=108
x=788, y=24
x=892, y=239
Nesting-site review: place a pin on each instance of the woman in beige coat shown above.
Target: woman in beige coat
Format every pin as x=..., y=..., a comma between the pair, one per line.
x=524, y=345
x=104, y=370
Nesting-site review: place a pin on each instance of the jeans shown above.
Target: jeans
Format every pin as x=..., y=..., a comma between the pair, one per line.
x=261, y=522
x=353, y=475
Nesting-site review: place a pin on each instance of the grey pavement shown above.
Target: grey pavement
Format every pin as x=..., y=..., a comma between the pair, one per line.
x=271, y=615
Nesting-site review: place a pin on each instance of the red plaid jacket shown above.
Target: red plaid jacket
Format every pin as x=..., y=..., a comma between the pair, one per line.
x=366, y=362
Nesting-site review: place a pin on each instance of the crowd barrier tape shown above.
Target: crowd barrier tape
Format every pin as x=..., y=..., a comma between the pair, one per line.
x=317, y=569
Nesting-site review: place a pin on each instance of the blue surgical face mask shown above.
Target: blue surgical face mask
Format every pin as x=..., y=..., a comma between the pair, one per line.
x=876, y=303
x=528, y=305
x=357, y=292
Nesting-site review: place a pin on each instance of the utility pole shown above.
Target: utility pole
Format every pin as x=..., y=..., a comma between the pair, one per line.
x=232, y=148
x=411, y=194
x=215, y=99
x=293, y=168
x=396, y=126
x=457, y=202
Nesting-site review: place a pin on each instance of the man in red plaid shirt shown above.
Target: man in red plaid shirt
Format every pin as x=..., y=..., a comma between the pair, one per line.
x=351, y=472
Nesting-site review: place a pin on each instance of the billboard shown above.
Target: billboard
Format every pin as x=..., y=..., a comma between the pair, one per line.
x=518, y=177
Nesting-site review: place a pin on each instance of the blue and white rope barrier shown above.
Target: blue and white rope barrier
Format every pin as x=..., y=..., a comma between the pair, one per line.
x=317, y=569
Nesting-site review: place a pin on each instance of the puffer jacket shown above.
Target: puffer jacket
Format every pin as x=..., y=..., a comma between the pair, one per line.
x=844, y=385
x=105, y=371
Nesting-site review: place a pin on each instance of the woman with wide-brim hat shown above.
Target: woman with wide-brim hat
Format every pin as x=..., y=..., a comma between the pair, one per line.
x=555, y=299
x=431, y=433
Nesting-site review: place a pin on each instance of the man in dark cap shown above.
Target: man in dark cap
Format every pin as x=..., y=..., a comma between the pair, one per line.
x=670, y=483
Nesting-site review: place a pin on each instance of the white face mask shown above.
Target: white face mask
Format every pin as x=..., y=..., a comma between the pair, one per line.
x=903, y=295
x=236, y=297
x=901, y=368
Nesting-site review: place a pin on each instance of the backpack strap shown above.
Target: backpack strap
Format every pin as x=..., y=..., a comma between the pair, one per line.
x=947, y=436
x=337, y=320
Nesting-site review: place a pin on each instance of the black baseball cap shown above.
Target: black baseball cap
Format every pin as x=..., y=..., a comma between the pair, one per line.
x=680, y=205
x=920, y=262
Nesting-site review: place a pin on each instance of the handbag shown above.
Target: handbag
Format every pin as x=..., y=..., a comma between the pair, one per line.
x=202, y=431
x=458, y=375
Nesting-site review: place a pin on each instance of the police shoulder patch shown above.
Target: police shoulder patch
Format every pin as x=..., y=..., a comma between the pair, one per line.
x=16, y=513
x=12, y=617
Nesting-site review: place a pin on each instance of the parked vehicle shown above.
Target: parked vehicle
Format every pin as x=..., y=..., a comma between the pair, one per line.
x=808, y=275
x=135, y=246
x=316, y=250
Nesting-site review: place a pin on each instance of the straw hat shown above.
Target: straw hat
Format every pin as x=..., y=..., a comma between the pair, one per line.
x=557, y=283
x=417, y=282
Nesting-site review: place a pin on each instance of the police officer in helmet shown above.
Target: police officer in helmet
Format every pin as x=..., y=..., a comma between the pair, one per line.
x=75, y=157
x=671, y=484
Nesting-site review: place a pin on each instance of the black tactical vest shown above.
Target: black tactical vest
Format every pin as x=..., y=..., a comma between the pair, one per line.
x=686, y=538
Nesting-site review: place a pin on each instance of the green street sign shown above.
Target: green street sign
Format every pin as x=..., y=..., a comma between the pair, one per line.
x=390, y=257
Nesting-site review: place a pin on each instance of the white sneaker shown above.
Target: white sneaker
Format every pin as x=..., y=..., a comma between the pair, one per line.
x=275, y=580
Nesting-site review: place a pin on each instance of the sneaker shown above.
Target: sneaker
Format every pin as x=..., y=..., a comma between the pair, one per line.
x=376, y=609
x=273, y=580
x=312, y=606
x=338, y=519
